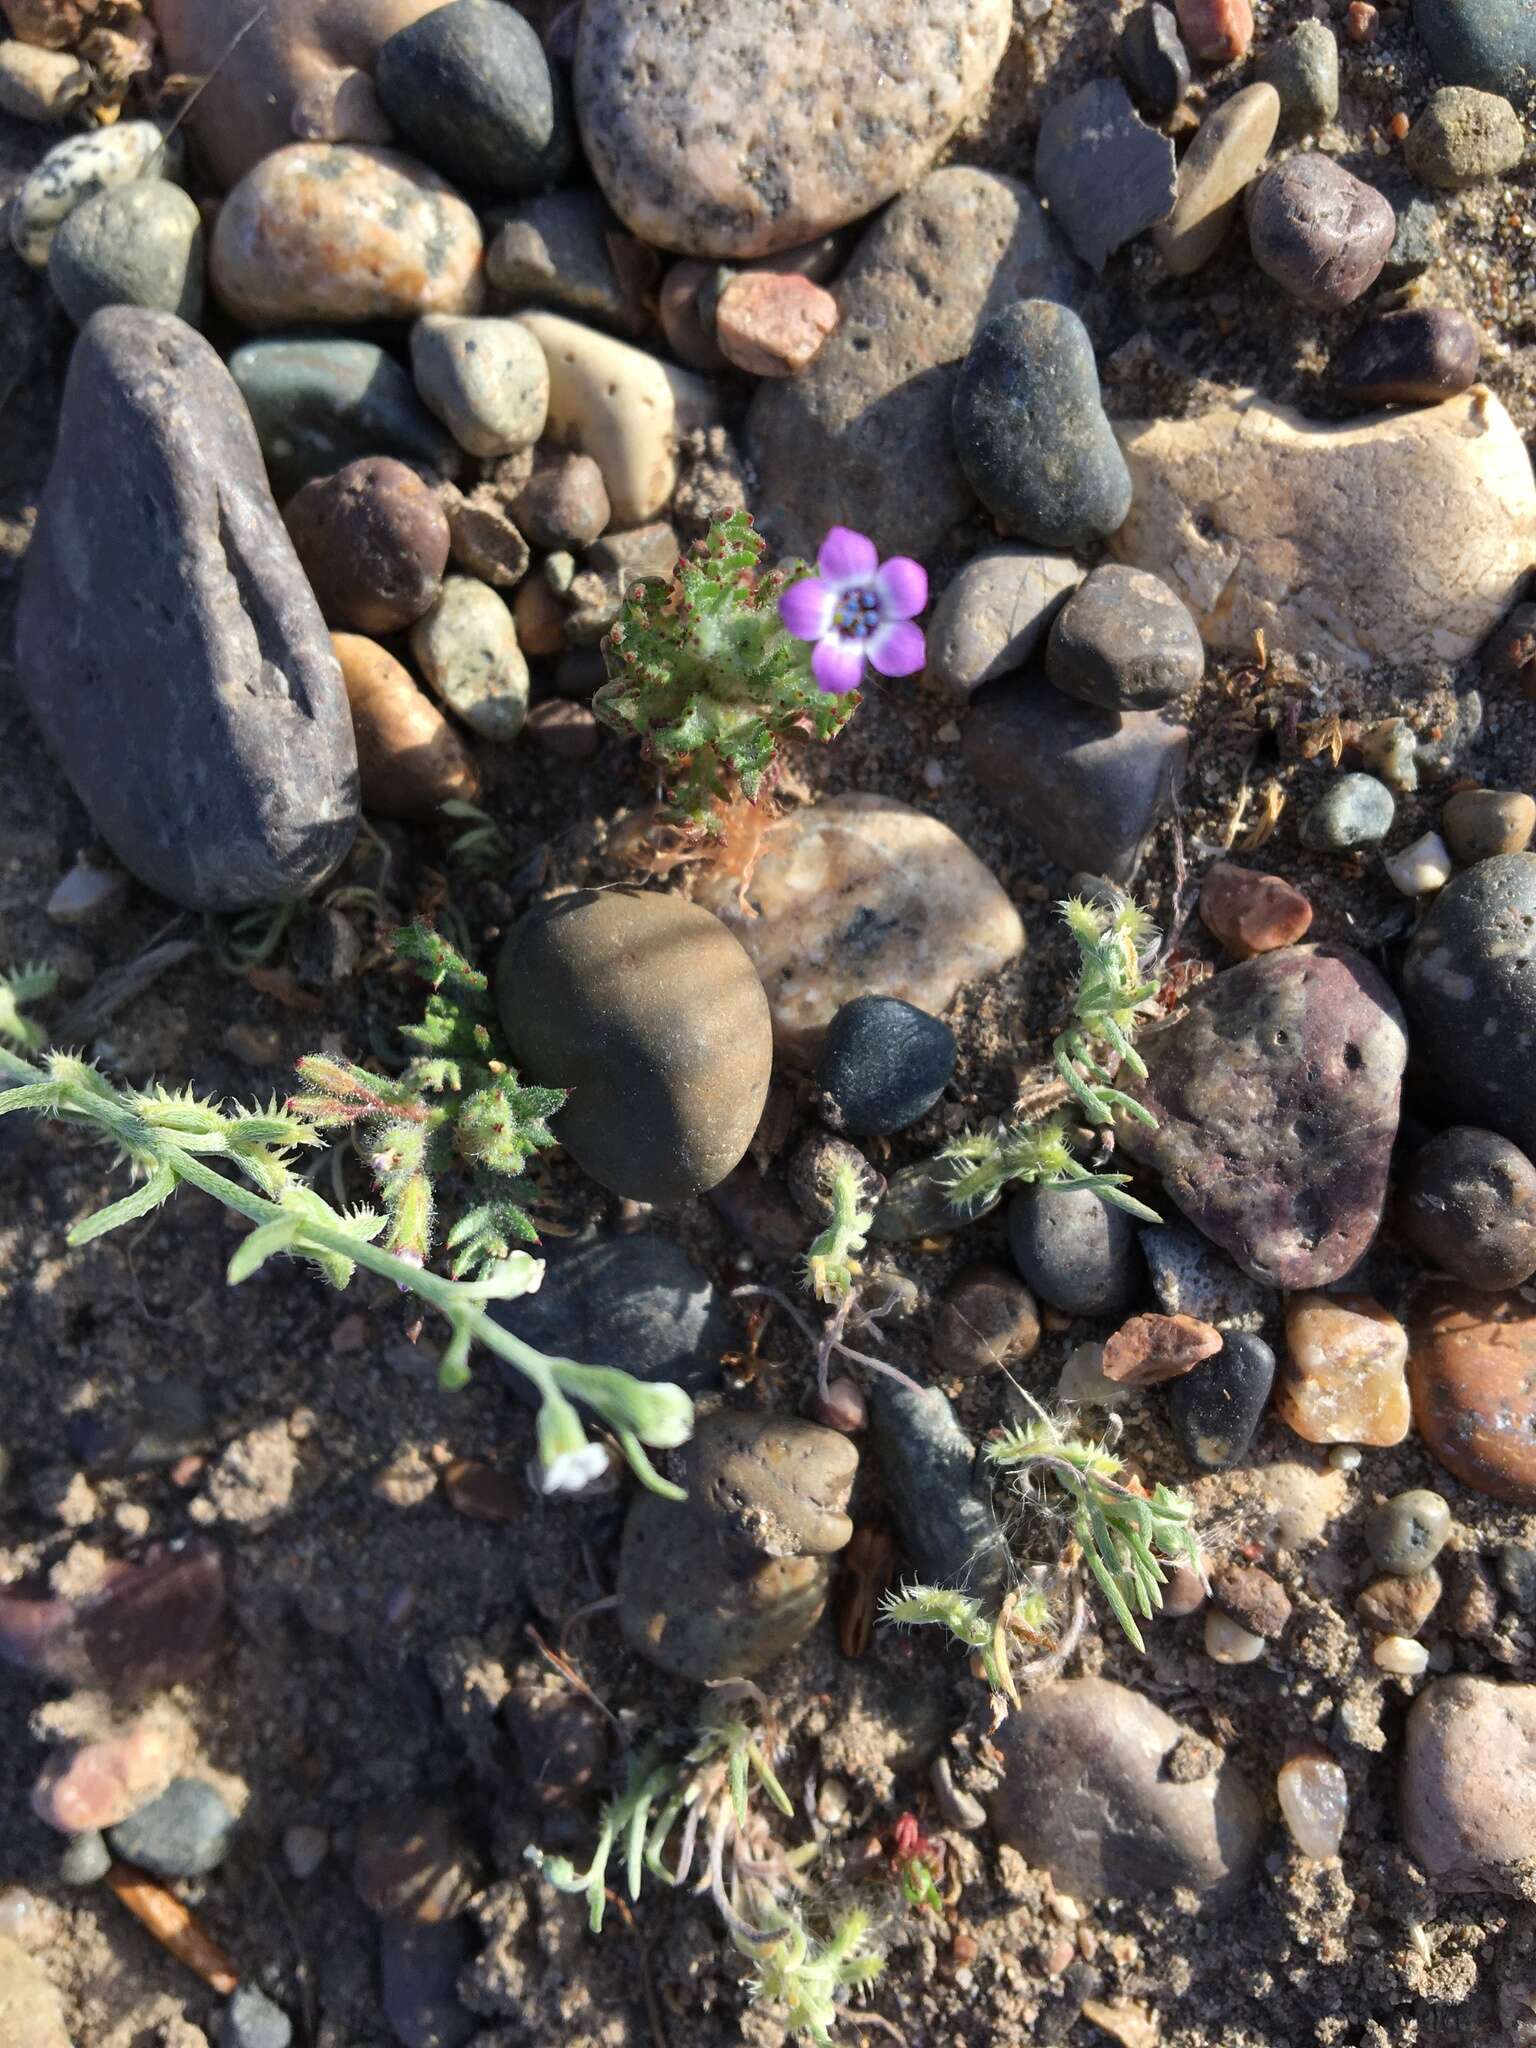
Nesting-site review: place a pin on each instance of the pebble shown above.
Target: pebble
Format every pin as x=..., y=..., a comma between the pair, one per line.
x=1472, y=1367
x=1253, y=1598
x=1304, y=71
x=137, y=1627
x=470, y=89
x=75, y=170
x=139, y=244
x=1184, y=1593
x=1478, y=823
x=773, y=324
x=1314, y=1803
x=1215, y=1410
x=186, y=1832
x=986, y=1321
x=1488, y=43
x=1276, y=1096
x=334, y=232
x=319, y=405
x=1408, y=1532
x=567, y=732
x=995, y=613
x=564, y=504
x=1252, y=913
x=1088, y=786
x=677, y=1113
x=305, y=1848
x=1153, y=58
x=1467, y=1799
x=1413, y=357
x=418, y=1983
x=1400, y=1655
x=561, y=1738
x=1076, y=1251
x=1399, y=1606
x=158, y=499
x=842, y=1407
x=539, y=617
x=636, y=1302
x=948, y=1527
x=410, y=760
x=1088, y=1797
x=1462, y=137
x=610, y=571
x=486, y=380
x=1353, y=810
x=1030, y=428
x=373, y=542
x=1468, y=989
x=1421, y=868
x=1190, y=1277
x=86, y=1858
x=1228, y=1642
x=773, y=1484
x=413, y=1862
x=842, y=443
x=251, y=2020
x=686, y=308
x=481, y=538
x=86, y=894
x=862, y=895
x=626, y=409
x=1225, y=157
x=1124, y=642
x=1319, y=231
x=40, y=85
x=726, y=154
x=1151, y=1349
x=916, y=1205
x=30, y=2009
x=883, y=1065
x=1217, y=31
x=1105, y=175
x=556, y=250
x=1352, y=583
x=1418, y=242
x=1342, y=1380
x=466, y=647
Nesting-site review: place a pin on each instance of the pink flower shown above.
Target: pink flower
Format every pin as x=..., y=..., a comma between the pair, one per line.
x=858, y=607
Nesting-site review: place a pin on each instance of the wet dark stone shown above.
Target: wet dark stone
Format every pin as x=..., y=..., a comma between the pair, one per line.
x=1154, y=58
x=470, y=89
x=1077, y=1251
x=1468, y=1204
x=1214, y=1410
x=1486, y=43
x=884, y=1063
x=186, y=1832
x=418, y=1983
x=1415, y=357
x=947, y=1525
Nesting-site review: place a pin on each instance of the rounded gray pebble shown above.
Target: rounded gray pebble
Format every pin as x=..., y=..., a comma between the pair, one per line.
x=1354, y=810
x=1407, y=1533
x=251, y=2020
x=1153, y=58
x=1125, y=642
x=1319, y=231
x=1077, y=1251
x=131, y=245
x=1304, y=69
x=86, y=1858
x=186, y=1832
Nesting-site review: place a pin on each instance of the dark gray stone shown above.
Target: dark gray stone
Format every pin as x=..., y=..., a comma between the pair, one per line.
x=557, y=250
x=946, y=1521
x=1154, y=59
x=1124, y=642
x=1031, y=432
x=1086, y=785
x=1469, y=1206
x=1418, y=240
x=1354, y=810
x=470, y=89
x=251, y=2020
x=1104, y=173
x=418, y=1982
x=1276, y=1099
x=994, y=614
x=1319, y=231
x=1304, y=69
x=320, y=404
x=1415, y=357
x=884, y=1064
x=1488, y=43
x=167, y=642
x=1408, y=1532
x=1469, y=987
x=638, y=1303
x=1077, y=1251
x=131, y=245
x=186, y=1832
x=1214, y=1409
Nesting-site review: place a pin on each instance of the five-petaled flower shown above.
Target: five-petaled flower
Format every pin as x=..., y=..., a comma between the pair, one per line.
x=858, y=608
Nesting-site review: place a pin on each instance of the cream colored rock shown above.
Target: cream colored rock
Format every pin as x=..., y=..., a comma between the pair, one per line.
x=624, y=408
x=40, y=85
x=1401, y=537
x=1223, y=158
x=864, y=896
x=1343, y=1379
x=75, y=170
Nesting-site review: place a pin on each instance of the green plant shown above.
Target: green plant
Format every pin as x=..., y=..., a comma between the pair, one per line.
x=482, y=846
x=458, y=1107
x=20, y=986
x=1110, y=991
x=702, y=670
x=831, y=1264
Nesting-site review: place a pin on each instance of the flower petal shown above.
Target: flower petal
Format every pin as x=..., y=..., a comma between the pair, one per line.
x=807, y=607
x=897, y=649
x=847, y=557
x=902, y=585
x=838, y=664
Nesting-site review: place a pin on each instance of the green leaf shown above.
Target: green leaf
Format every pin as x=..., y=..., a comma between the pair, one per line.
x=265, y=1242
x=159, y=1187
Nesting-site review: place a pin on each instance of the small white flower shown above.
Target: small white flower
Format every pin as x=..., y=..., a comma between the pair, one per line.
x=573, y=1471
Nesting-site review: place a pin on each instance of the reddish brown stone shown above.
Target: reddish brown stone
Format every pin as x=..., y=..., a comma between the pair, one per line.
x=147, y=1624
x=1217, y=31
x=1250, y=912
x=1472, y=1373
x=772, y=324
x=102, y=1783
x=484, y=1494
x=539, y=617
x=1399, y=1606
x=1150, y=1349
x=988, y=1319
x=1253, y=1599
x=1360, y=21
x=373, y=541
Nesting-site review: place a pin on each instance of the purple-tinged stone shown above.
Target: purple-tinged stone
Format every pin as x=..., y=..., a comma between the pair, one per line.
x=148, y=1624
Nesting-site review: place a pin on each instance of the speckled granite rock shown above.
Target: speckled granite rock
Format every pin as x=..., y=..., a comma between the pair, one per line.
x=861, y=895
x=1468, y=1793
x=167, y=641
x=841, y=443
x=1277, y=1104
x=1314, y=535
x=763, y=124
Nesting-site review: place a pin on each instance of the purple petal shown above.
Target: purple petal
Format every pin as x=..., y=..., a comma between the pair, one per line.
x=838, y=664
x=902, y=585
x=847, y=557
x=897, y=649
x=807, y=607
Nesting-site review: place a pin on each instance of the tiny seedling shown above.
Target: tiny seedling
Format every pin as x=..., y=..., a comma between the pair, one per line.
x=21, y=986
x=831, y=1264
